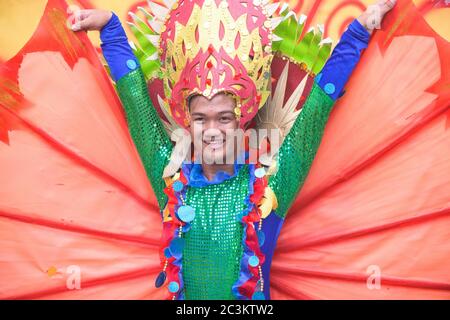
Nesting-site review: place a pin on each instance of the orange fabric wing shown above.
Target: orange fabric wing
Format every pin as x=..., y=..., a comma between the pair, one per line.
x=373, y=218
x=76, y=208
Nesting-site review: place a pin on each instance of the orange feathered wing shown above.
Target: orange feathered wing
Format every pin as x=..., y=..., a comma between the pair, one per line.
x=78, y=218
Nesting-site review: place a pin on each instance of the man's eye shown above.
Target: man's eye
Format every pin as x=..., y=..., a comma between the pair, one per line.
x=198, y=119
x=225, y=119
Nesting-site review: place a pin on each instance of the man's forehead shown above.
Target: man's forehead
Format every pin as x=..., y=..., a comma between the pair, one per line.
x=219, y=101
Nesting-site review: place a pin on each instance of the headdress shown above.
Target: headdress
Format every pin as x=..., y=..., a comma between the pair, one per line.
x=210, y=46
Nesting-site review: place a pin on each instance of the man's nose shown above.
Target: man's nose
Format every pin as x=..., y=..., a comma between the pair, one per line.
x=211, y=124
x=211, y=132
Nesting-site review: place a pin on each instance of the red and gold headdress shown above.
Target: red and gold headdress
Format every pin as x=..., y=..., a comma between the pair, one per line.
x=191, y=47
x=212, y=46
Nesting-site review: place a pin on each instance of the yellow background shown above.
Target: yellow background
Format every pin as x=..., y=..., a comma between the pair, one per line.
x=19, y=18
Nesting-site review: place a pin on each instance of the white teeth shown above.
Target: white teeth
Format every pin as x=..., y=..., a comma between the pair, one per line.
x=214, y=144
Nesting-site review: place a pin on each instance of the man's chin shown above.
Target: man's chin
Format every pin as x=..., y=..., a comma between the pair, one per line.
x=217, y=156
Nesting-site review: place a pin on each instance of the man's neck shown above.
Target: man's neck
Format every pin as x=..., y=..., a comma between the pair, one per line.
x=210, y=170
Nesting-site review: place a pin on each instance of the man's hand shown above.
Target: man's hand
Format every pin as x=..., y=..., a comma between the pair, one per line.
x=372, y=17
x=91, y=19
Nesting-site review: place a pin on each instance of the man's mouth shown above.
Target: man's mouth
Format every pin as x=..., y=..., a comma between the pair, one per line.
x=214, y=144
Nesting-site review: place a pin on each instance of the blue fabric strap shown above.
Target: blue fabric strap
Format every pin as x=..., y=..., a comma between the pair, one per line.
x=343, y=60
x=116, y=49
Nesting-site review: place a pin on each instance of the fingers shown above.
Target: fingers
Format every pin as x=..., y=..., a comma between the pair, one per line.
x=386, y=6
x=79, y=19
x=79, y=24
x=372, y=17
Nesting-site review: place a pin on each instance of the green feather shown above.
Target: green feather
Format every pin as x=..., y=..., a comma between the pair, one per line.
x=306, y=49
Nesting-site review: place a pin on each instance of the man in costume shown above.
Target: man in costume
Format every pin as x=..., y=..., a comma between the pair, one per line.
x=221, y=220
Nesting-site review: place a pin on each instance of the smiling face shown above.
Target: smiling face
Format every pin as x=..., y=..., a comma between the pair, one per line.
x=211, y=120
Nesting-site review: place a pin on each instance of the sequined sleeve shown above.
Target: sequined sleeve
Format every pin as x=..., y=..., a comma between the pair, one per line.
x=149, y=135
x=300, y=146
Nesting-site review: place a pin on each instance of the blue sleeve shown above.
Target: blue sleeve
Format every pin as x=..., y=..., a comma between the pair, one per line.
x=116, y=49
x=343, y=60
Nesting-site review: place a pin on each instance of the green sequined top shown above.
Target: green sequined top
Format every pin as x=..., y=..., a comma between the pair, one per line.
x=213, y=249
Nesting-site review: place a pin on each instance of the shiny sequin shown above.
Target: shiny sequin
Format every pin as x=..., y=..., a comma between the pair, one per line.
x=186, y=213
x=178, y=186
x=253, y=261
x=260, y=172
x=167, y=253
x=176, y=247
x=173, y=287
x=131, y=64
x=329, y=88
x=258, y=295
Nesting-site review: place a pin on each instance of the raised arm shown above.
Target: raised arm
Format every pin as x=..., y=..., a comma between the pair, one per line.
x=300, y=146
x=145, y=126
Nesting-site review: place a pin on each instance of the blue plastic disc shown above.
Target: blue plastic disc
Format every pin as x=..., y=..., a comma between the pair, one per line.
x=176, y=247
x=253, y=261
x=260, y=172
x=167, y=253
x=329, y=88
x=160, y=279
x=178, y=186
x=258, y=295
x=131, y=64
x=261, y=237
x=186, y=213
x=174, y=287
x=186, y=227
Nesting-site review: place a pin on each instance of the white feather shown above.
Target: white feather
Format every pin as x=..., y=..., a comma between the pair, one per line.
x=321, y=28
x=169, y=3
x=153, y=38
x=284, y=6
x=156, y=25
x=145, y=12
x=158, y=10
x=326, y=41
x=272, y=8
x=274, y=114
x=276, y=38
x=275, y=22
x=302, y=19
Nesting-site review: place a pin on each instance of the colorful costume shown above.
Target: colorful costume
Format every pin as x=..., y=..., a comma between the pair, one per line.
x=219, y=245
x=219, y=236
